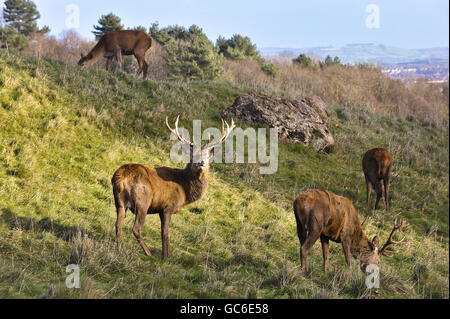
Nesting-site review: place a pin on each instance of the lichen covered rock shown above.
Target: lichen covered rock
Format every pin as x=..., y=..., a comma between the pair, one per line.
x=298, y=121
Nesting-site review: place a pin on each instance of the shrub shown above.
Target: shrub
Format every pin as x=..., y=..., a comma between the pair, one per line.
x=303, y=60
x=66, y=49
x=189, y=53
x=361, y=87
x=10, y=38
x=270, y=69
x=238, y=48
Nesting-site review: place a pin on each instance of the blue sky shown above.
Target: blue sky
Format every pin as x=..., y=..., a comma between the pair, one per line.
x=273, y=23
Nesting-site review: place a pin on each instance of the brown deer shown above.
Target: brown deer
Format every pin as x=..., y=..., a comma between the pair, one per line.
x=326, y=215
x=162, y=190
x=118, y=43
x=377, y=166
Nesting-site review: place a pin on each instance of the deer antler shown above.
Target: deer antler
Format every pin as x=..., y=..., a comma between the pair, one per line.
x=175, y=131
x=390, y=241
x=225, y=133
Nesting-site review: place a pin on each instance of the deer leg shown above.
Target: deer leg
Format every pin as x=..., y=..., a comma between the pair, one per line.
x=118, y=55
x=379, y=191
x=140, y=63
x=325, y=251
x=119, y=222
x=109, y=62
x=165, y=236
x=301, y=232
x=368, y=189
x=313, y=235
x=387, y=185
x=346, y=243
x=145, y=69
x=137, y=228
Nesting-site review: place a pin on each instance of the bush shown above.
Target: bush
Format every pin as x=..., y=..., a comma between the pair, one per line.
x=361, y=87
x=12, y=39
x=330, y=61
x=189, y=53
x=303, y=60
x=270, y=69
x=66, y=49
x=238, y=48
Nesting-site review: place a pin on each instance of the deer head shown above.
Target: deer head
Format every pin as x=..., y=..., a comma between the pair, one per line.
x=372, y=255
x=200, y=157
x=84, y=60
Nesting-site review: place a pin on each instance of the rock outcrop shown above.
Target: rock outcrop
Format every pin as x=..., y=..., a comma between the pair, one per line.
x=303, y=121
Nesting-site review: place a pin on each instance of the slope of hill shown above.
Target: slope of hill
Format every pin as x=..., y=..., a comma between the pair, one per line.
x=64, y=131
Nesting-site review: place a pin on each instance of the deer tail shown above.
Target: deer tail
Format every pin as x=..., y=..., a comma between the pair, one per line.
x=117, y=183
x=150, y=41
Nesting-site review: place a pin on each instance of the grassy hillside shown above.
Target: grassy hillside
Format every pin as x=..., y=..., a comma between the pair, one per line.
x=64, y=131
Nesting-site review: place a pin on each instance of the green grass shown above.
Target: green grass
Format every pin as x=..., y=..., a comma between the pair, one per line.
x=65, y=130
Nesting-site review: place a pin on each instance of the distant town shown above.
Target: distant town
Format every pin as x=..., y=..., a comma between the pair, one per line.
x=433, y=71
x=406, y=64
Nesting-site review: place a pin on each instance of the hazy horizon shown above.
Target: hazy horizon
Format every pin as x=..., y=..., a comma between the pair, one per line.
x=285, y=24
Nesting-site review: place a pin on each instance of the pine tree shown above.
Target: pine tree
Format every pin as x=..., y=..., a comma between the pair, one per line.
x=22, y=15
x=303, y=60
x=189, y=53
x=107, y=23
x=12, y=39
x=238, y=48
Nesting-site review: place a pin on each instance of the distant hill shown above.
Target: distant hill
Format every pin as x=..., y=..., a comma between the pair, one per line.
x=364, y=52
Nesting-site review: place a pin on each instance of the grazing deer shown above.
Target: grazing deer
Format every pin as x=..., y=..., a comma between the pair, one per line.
x=331, y=217
x=377, y=166
x=162, y=190
x=118, y=43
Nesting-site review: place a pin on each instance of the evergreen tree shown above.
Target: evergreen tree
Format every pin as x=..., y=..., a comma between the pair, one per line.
x=12, y=39
x=189, y=53
x=303, y=60
x=330, y=61
x=22, y=16
x=238, y=48
x=107, y=23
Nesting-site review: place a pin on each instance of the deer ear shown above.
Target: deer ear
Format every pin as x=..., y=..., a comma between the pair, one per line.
x=375, y=242
x=211, y=151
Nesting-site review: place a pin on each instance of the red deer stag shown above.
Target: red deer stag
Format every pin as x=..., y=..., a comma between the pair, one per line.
x=331, y=217
x=162, y=190
x=377, y=166
x=118, y=43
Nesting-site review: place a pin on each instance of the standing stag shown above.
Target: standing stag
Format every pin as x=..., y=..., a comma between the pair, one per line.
x=162, y=190
x=377, y=166
x=118, y=43
x=331, y=217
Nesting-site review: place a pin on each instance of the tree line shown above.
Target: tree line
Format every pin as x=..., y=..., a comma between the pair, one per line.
x=190, y=55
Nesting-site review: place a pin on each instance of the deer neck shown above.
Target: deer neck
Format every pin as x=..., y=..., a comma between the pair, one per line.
x=96, y=53
x=195, y=185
